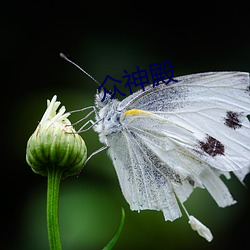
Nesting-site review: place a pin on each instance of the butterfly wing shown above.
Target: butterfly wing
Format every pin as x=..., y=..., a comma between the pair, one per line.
x=142, y=186
x=180, y=136
x=163, y=166
x=214, y=107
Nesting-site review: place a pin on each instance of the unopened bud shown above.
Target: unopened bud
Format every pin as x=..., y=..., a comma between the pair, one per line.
x=55, y=143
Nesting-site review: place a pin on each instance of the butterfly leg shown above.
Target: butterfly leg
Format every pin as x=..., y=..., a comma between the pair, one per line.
x=96, y=152
x=86, y=116
x=92, y=154
x=82, y=128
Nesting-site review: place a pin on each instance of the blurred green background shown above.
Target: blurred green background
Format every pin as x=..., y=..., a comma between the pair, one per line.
x=106, y=38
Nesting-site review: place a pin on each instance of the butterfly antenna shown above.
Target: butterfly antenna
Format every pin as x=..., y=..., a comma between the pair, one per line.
x=68, y=60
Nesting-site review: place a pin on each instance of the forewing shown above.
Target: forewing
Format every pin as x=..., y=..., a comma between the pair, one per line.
x=186, y=92
x=213, y=107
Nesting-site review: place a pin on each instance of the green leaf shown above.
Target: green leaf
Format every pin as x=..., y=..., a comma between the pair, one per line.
x=117, y=234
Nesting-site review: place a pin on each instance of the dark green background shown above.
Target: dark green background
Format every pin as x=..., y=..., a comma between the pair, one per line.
x=106, y=38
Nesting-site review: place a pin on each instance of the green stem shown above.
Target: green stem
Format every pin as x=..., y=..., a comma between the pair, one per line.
x=54, y=177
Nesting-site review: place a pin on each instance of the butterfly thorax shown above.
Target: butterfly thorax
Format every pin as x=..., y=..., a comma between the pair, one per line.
x=108, y=121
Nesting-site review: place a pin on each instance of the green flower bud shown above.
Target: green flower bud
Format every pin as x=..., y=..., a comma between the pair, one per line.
x=55, y=144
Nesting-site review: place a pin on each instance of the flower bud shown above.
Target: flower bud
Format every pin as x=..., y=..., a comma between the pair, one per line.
x=55, y=144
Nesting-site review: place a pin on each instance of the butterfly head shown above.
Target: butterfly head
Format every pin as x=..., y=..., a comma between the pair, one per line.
x=102, y=99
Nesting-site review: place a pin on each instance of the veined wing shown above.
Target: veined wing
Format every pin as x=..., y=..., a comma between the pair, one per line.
x=190, y=90
x=213, y=107
x=152, y=168
x=141, y=184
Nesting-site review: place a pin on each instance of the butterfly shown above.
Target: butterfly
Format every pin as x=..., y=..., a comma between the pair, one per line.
x=168, y=140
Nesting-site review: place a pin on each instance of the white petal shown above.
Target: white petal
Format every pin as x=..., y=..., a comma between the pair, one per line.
x=50, y=114
x=200, y=228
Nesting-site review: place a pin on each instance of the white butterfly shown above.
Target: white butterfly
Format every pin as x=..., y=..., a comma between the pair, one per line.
x=167, y=140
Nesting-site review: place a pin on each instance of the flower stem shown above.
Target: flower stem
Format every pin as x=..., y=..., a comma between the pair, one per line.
x=54, y=177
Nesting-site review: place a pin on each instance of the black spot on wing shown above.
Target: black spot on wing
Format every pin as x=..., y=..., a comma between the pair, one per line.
x=233, y=119
x=212, y=146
